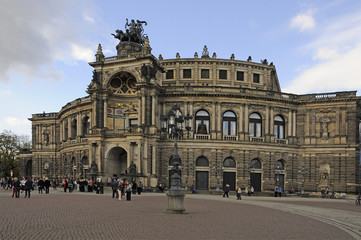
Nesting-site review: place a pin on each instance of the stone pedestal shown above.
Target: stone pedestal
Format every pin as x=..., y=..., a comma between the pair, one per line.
x=176, y=202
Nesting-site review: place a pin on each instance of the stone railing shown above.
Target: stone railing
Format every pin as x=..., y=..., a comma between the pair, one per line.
x=202, y=136
x=230, y=137
x=256, y=139
x=281, y=141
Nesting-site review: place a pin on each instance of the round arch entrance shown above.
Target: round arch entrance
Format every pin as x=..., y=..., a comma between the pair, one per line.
x=116, y=162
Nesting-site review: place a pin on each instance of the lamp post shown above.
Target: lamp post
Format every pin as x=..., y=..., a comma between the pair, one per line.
x=172, y=125
x=303, y=171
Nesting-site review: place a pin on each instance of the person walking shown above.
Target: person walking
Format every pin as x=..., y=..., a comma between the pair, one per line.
x=47, y=185
x=239, y=193
x=41, y=185
x=65, y=184
x=17, y=187
x=114, y=186
x=226, y=191
x=129, y=192
x=140, y=187
x=28, y=187
x=276, y=191
x=280, y=192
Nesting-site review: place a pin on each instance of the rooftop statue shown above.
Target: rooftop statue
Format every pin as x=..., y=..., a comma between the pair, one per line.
x=134, y=32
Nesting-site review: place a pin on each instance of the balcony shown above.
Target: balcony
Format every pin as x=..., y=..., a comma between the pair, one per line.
x=202, y=136
x=230, y=137
x=256, y=139
x=281, y=141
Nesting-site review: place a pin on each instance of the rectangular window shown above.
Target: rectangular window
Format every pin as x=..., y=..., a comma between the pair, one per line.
x=240, y=76
x=187, y=73
x=169, y=74
x=255, y=77
x=205, y=73
x=133, y=123
x=222, y=74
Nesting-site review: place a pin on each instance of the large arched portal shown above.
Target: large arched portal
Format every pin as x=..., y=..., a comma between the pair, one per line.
x=116, y=162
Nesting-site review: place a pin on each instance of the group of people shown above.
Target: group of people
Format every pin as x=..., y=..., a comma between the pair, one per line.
x=248, y=190
x=278, y=191
x=26, y=185
x=121, y=187
x=83, y=185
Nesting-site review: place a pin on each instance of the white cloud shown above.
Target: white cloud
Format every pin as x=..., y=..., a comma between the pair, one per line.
x=16, y=125
x=36, y=35
x=303, y=22
x=325, y=53
x=12, y=121
x=335, y=52
x=82, y=53
x=335, y=74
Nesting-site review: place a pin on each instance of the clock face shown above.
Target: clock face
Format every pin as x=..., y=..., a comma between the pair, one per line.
x=46, y=165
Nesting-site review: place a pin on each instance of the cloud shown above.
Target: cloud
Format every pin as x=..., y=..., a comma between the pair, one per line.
x=12, y=121
x=334, y=74
x=335, y=57
x=37, y=34
x=82, y=53
x=16, y=125
x=303, y=22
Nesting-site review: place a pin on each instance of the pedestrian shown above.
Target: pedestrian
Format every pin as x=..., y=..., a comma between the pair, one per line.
x=276, y=191
x=140, y=187
x=252, y=190
x=65, y=184
x=280, y=191
x=129, y=192
x=239, y=193
x=134, y=187
x=41, y=185
x=47, y=185
x=120, y=189
x=28, y=187
x=17, y=187
x=114, y=186
x=161, y=187
x=101, y=187
x=226, y=191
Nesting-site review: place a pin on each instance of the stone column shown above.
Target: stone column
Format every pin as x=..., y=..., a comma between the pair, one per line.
x=79, y=125
x=289, y=123
x=69, y=127
x=219, y=122
x=106, y=112
x=294, y=123
x=143, y=109
x=153, y=109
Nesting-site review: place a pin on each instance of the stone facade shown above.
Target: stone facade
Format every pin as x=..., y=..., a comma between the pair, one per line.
x=244, y=130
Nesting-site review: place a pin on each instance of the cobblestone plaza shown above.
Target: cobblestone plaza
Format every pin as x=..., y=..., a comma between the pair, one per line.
x=77, y=215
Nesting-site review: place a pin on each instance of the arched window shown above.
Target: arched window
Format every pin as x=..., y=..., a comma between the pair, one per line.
x=202, y=162
x=85, y=160
x=202, y=122
x=123, y=83
x=279, y=127
x=73, y=128
x=229, y=162
x=255, y=125
x=255, y=163
x=229, y=123
x=86, y=125
x=280, y=165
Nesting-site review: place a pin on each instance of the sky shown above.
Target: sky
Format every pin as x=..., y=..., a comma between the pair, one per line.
x=45, y=46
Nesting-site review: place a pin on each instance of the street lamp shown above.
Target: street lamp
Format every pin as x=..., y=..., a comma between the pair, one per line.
x=303, y=171
x=172, y=125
